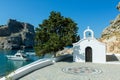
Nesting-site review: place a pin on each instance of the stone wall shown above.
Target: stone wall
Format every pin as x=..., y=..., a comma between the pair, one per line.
x=16, y=34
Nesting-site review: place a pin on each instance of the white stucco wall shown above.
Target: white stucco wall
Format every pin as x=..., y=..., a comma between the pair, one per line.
x=95, y=47
x=98, y=50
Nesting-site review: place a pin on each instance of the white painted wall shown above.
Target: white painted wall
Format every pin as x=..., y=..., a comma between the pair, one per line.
x=98, y=50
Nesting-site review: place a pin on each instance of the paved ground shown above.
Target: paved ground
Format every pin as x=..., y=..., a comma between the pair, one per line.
x=54, y=72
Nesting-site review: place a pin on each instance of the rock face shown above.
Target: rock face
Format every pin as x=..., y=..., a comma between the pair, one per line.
x=111, y=35
x=16, y=34
x=118, y=6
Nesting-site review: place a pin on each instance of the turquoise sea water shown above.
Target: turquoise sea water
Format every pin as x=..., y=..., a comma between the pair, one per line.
x=7, y=66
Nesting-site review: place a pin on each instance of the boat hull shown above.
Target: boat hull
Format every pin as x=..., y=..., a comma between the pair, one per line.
x=16, y=58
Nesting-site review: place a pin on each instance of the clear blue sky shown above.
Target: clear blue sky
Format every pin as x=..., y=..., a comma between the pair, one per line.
x=94, y=13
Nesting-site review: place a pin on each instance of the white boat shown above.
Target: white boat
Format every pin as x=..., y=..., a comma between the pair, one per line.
x=30, y=53
x=18, y=56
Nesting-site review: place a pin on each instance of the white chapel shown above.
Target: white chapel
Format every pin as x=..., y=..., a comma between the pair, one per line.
x=89, y=49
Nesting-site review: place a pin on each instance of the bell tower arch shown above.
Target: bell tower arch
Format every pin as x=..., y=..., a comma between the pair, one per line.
x=88, y=33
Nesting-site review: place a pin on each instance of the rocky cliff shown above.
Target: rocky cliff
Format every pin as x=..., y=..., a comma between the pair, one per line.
x=111, y=35
x=16, y=35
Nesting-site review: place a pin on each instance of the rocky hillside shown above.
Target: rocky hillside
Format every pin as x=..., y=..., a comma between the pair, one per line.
x=16, y=34
x=111, y=35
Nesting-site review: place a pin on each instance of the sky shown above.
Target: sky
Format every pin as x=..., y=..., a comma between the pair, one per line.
x=94, y=13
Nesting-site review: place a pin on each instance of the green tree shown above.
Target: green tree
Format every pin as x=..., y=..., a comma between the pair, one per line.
x=55, y=33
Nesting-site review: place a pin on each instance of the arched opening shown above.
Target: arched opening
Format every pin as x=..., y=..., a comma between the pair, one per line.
x=88, y=33
x=88, y=54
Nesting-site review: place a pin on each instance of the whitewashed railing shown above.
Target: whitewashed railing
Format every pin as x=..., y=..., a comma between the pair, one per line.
x=27, y=69
x=32, y=67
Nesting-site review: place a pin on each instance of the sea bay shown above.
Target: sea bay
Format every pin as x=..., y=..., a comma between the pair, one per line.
x=7, y=66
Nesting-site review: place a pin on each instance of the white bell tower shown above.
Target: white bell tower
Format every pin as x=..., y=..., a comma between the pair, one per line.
x=91, y=33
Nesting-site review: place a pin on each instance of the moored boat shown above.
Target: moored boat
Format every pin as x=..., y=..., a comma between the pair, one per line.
x=18, y=56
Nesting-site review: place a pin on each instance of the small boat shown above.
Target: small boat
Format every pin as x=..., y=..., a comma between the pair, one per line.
x=18, y=56
x=30, y=53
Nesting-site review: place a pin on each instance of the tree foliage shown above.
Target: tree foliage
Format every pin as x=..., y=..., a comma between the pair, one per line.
x=55, y=33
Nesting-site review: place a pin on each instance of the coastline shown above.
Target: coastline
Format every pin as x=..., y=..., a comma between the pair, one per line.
x=10, y=65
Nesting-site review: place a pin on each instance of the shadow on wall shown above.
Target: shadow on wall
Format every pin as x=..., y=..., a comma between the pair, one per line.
x=111, y=58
